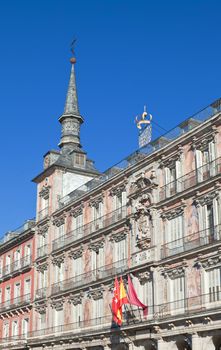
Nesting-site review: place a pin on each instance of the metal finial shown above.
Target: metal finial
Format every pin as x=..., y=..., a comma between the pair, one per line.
x=143, y=118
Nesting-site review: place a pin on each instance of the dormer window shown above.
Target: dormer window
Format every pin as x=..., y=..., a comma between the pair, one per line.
x=80, y=160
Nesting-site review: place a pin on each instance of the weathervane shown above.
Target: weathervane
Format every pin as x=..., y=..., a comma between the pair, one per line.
x=73, y=59
x=145, y=127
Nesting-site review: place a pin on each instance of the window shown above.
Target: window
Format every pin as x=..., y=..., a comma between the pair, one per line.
x=14, y=328
x=8, y=264
x=78, y=223
x=97, y=216
x=25, y=325
x=176, y=292
x=120, y=250
x=97, y=258
x=60, y=231
x=77, y=266
x=27, y=288
x=17, y=259
x=172, y=175
x=98, y=307
x=79, y=160
x=77, y=313
x=42, y=321
x=58, y=317
x=42, y=279
x=205, y=164
x=6, y=330
x=17, y=290
x=7, y=295
x=213, y=284
x=209, y=219
x=174, y=234
x=59, y=272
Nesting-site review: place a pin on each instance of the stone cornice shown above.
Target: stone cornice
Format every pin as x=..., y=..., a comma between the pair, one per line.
x=59, y=220
x=120, y=235
x=41, y=308
x=95, y=201
x=58, y=260
x=143, y=276
x=76, y=253
x=174, y=272
x=57, y=304
x=42, y=267
x=76, y=211
x=43, y=229
x=118, y=189
x=97, y=293
x=207, y=198
x=201, y=143
x=76, y=299
x=169, y=161
x=173, y=213
x=96, y=245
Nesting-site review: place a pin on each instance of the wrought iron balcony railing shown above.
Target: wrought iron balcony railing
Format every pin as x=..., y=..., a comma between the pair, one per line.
x=191, y=179
x=43, y=213
x=15, y=302
x=184, y=307
x=93, y=226
x=192, y=241
x=16, y=266
x=42, y=251
x=116, y=268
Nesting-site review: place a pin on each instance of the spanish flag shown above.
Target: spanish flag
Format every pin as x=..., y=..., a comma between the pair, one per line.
x=123, y=299
x=116, y=309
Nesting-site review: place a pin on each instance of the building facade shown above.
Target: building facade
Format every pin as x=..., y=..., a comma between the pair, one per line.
x=156, y=215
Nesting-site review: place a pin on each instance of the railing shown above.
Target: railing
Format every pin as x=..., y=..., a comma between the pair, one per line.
x=15, y=302
x=89, y=228
x=191, y=179
x=194, y=240
x=42, y=251
x=178, y=308
x=16, y=266
x=116, y=268
x=43, y=213
x=40, y=293
x=14, y=233
x=145, y=151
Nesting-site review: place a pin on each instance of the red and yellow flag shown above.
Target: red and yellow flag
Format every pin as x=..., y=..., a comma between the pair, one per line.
x=116, y=310
x=123, y=295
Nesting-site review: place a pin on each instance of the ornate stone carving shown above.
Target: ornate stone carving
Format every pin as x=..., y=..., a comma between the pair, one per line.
x=117, y=190
x=144, y=223
x=42, y=267
x=175, y=272
x=212, y=261
x=140, y=183
x=44, y=193
x=57, y=304
x=41, y=308
x=206, y=198
x=42, y=230
x=76, y=211
x=171, y=214
x=60, y=220
x=76, y=253
x=118, y=236
x=202, y=143
x=58, y=260
x=144, y=276
x=169, y=162
x=96, y=293
x=94, y=202
x=96, y=245
x=76, y=298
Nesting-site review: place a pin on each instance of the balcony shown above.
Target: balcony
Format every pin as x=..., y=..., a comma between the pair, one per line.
x=187, y=307
x=42, y=214
x=195, y=177
x=90, y=276
x=40, y=293
x=16, y=267
x=90, y=228
x=15, y=303
x=106, y=271
x=193, y=241
x=42, y=251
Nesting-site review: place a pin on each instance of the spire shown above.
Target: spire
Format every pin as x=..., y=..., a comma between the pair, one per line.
x=71, y=105
x=71, y=118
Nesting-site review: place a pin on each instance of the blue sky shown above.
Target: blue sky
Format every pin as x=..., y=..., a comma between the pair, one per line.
x=165, y=54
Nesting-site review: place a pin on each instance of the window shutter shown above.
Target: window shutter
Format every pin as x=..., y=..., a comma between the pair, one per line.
x=199, y=163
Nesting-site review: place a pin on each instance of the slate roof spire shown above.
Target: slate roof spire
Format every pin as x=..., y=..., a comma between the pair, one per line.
x=71, y=118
